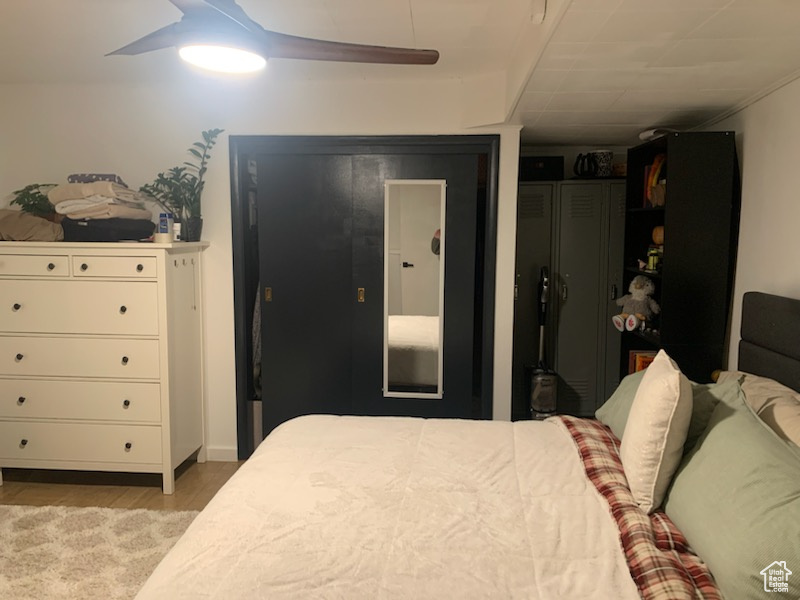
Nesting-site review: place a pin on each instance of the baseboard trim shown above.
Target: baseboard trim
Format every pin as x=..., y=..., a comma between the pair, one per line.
x=222, y=454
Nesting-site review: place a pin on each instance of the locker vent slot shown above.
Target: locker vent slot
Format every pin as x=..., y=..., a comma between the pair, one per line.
x=578, y=387
x=582, y=207
x=531, y=207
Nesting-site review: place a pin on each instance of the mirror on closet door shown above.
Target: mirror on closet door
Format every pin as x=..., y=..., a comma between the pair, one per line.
x=413, y=325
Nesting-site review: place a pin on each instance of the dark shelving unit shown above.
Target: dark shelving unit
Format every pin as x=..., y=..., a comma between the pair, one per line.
x=700, y=216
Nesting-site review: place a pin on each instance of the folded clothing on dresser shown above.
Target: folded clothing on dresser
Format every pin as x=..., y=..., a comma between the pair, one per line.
x=98, y=200
x=106, y=230
x=105, y=210
x=78, y=191
x=19, y=226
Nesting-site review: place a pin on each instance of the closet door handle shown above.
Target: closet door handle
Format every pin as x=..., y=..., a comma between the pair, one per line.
x=128, y=446
x=362, y=295
x=16, y=306
x=124, y=360
x=126, y=403
x=123, y=309
x=19, y=357
x=23, y=442
x=21, y=400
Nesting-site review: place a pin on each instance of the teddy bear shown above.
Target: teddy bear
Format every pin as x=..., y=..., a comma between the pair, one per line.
x=638, y=306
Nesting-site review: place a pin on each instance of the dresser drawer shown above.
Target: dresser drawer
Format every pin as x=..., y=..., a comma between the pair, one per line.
x=79, y=357
x=34, y=265
x=104, y=307
x=114, y=266
x=80, y=400
x=23, y=440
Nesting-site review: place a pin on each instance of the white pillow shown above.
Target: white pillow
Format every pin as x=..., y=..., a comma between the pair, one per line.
x=656, y=430
x=777, y=405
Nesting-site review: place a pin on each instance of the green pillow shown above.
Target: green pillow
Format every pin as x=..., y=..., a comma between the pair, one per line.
x=736, y=498
x=614, y=412
x=705, y=396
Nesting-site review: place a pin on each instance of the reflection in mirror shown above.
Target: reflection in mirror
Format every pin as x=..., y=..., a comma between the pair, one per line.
x=413, y=287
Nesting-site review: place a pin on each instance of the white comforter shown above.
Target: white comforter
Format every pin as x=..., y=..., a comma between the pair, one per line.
x=385, y=507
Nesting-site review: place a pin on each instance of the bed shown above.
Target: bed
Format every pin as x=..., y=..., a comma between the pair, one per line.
x=385, y=507
x=413, y=350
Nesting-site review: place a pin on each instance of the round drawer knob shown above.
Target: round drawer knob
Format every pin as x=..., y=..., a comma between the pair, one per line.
x=19, y=357
x=124, y=360
x=17, y=306
x=50, y=266
x=128, y=445
x=84, y=266
x=126, y=403
x=21, y=400
x=123, y=309
x=139, y=268
x=23, y=442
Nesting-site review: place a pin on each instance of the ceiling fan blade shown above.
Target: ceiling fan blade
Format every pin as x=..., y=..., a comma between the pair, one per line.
x=281, y=45
x=233, y=11
x=189, y=5
x=162, y=38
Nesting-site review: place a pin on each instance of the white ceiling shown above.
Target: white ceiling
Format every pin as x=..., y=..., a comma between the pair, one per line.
x=601, y=70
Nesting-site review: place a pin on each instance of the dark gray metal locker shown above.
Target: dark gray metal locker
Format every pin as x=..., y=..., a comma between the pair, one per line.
x=614, y=278
x=534, y=226
x=580, y=263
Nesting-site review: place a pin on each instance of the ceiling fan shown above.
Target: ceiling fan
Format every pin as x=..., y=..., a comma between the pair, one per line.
x=223, y=25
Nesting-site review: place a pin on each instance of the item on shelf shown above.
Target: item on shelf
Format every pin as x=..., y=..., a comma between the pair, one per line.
x=654, y=254
x=603, y=160
x=651, y=134
x=654, y=184
x=639, y=360
x=585, y=165
x=541, y=168
x=637, y=304
x=658, y=235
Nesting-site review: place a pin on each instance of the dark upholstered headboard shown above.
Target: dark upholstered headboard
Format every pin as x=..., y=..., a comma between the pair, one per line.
x=770, y=344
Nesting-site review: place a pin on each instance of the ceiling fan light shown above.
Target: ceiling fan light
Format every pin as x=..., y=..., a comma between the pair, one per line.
x=223, y=59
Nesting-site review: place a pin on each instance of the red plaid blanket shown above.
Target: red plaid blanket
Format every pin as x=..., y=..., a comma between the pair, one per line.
x=660, y=560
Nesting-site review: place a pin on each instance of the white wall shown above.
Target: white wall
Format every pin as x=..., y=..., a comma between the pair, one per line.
x=49, y=131
x=767, y=135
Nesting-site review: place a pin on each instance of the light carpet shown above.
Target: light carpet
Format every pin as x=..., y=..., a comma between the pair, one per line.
x=70, y=553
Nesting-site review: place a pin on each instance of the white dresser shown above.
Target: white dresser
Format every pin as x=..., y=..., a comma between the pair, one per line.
x=101, y=356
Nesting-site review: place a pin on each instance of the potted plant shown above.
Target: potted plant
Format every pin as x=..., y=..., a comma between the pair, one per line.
x=33, y=199
x=179, y=190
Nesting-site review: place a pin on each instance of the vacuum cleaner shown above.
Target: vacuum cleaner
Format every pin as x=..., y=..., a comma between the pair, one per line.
x=544, y=381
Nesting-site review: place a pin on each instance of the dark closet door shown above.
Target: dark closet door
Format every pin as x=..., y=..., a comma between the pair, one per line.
x=305, y=247
x=461, y=381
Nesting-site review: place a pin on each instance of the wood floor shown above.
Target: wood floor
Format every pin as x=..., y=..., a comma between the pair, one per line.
x=195, y=485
